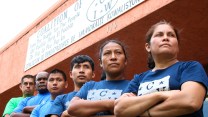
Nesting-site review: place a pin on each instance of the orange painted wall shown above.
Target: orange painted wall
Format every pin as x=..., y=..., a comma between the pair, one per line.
x=13, y=57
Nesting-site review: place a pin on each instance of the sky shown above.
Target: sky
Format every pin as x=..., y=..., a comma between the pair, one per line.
x=16, y=15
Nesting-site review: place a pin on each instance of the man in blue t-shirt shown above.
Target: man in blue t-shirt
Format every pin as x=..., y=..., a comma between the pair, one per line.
x=26, y=106
x=57, y=83
x=81, y=71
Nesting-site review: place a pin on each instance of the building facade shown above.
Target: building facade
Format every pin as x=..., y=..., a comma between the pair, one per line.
x=73, y=27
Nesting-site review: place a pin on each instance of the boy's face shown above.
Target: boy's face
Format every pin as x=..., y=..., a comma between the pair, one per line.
x=82, y=73
x=56, y=84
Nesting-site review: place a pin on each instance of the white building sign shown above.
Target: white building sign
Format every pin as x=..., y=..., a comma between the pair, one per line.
x=77, y=21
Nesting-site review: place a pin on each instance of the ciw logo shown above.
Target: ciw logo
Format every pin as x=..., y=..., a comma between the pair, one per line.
x=161, y=84
x=100, y=8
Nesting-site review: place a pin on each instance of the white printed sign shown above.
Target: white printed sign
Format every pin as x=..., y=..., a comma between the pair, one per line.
x=77, y=21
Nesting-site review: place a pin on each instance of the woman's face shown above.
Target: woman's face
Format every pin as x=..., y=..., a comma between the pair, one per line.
x=113, y=58
x=163, y=42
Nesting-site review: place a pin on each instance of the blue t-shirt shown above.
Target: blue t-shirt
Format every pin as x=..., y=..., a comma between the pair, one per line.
x=102, y=90
x=170, y=78
x=32, y=101
x=42, y=109
x=61, y=103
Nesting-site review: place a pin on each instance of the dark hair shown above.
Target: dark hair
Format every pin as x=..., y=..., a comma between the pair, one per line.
x=113, y=41
x=54, y=71
x=28, y=76
x=150, y=61
x=103, y=75
x=81, y=59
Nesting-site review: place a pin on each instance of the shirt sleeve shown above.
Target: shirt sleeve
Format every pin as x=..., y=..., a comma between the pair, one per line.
x=133, y=86
x=21, y=105
x=9, y=107
x=193, y=71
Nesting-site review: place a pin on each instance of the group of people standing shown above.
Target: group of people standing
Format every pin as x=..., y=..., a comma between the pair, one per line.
x=170, y=88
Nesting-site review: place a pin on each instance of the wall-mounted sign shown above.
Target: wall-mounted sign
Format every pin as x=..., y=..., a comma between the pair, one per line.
x=77, y=21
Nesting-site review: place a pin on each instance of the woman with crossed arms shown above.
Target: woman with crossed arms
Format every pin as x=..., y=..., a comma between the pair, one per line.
x=171, y=87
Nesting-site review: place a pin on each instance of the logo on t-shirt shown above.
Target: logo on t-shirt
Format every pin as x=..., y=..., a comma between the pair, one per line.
x=161, y=84
x=102, y=94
